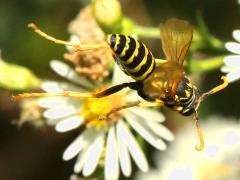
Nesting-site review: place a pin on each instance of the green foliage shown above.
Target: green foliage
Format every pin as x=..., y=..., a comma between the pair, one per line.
x=15, y=77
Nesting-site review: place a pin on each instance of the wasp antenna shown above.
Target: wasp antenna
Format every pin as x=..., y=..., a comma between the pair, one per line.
x=199, y=133
x=217, y=88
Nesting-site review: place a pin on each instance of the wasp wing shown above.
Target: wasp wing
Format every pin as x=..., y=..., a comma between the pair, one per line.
x=176, y=39
x=164, y=81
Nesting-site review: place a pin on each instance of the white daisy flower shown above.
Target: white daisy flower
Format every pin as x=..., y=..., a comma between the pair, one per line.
x=109, y=140
x=220, y=159
x=232, y=62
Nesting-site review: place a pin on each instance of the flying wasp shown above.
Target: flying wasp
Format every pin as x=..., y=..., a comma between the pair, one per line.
x=158, y=82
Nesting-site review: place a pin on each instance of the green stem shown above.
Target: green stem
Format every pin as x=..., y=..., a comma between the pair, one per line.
x=147, y=32
x=199, y=66
x=209, y=41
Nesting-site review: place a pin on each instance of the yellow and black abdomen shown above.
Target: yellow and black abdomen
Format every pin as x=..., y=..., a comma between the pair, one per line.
x=132, y=56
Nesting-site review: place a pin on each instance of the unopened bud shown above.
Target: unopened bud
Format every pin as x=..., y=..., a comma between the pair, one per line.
x=108, y=13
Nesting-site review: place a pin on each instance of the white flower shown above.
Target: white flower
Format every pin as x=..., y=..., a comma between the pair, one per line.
x=232, y=62
x=108, y=140
x=220, y=159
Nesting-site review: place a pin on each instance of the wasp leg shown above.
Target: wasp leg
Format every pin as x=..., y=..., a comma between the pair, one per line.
x=157, y=103
x=58, y=41
x=77, y=95
x=160, y=61
x=114, y=89
x=199, y=133
x=217, y=88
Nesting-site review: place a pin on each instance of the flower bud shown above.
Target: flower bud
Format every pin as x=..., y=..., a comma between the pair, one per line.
x=108, y=14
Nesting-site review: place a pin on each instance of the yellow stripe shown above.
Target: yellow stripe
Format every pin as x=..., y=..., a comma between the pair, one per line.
x=117, y=42
x=141, y=64
x=187, y=93
x=126, y=47
x=190, y=85
x=177, y=108
x=147, y=72
x=185, y=110
x=135, y=53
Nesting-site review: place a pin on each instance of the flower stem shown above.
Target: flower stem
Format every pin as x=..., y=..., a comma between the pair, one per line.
x=199, y=66
x=147, y=32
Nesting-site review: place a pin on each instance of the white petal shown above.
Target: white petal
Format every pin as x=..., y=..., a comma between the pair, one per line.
x=119, y=76
x=160, y=130
x=145, y=132
x=78, y=144
x=61, y=68
x=69, y=123
x=67, y=72
x=94, y=154
x=148, y=114
x=233, y=76
x=124, y=157
x=111, y=162
x=227, y=69
x=81, y=160
x=74, y=40
x=51, y=87
x=74, y=177
x=53, y=122
x=236, y=35
x=133, y=147
x=132, y=96
x=233, y=47
x=50, y=102
x=59, y=112
x=232, y=60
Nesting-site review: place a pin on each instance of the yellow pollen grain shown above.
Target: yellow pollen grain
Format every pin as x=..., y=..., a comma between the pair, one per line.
x=93, y=108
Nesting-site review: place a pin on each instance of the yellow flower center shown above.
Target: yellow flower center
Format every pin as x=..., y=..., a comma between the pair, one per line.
x=94, y=109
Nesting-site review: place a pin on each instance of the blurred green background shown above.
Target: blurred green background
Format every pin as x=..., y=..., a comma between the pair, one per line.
x=29, y=153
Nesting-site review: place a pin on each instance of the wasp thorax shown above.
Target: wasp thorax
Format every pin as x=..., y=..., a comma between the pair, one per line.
x=186, y=99
x=184, y=91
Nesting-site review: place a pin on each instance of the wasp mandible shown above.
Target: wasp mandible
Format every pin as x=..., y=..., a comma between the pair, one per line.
x=158, y=82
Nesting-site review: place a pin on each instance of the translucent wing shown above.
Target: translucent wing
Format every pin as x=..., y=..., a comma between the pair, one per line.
x=163, y=82
x=176, y=39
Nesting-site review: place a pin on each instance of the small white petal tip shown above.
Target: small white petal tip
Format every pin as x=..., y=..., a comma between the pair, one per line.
x=236, y=35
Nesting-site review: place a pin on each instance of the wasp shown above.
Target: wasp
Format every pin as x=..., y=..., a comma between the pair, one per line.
x=159, y=82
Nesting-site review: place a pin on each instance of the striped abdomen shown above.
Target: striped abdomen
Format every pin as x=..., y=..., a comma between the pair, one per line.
x=132, y=55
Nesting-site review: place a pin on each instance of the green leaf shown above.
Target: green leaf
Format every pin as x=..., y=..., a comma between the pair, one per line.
x=15, y=77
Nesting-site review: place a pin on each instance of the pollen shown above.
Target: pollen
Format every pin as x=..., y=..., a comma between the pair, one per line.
x=93, y=109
